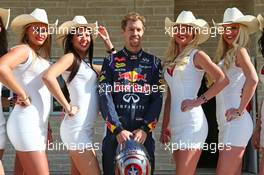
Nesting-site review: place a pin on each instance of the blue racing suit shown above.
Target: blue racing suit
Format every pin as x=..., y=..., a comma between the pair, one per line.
x=130, y=98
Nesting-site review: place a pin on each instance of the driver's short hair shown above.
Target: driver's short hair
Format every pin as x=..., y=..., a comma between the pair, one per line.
x=133, y=16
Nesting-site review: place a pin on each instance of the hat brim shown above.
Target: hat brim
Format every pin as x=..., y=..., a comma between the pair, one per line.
x=5, y=15
x=261, y=22
x=68, y=26
x=18, y=24
x=251, y=22
x=198, y=23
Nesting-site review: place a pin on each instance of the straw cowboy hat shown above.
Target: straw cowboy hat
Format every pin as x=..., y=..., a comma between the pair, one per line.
x=71, y=26
x=187, y=18
x=233, y=15
x=261, y=22
x=5, y=15
x=38, y=15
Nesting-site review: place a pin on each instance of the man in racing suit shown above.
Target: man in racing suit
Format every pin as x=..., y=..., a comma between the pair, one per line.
x=130, y=94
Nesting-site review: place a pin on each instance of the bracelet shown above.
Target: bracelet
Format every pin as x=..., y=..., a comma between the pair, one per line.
x=238, y=113
x=111, y=50
x=204, y=98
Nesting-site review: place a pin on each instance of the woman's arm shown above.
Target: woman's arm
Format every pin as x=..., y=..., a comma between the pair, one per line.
x=103, y=34
x=50, y=79
x=202, y=61
x=166, y=114
x=243, y=61
x=165, y=131
x=8, y=62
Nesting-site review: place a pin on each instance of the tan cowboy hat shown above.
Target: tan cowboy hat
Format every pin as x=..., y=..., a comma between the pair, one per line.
x=187, y=18
x=233, y=15
x=70, y=27
x=5, y=15
x=261, y=22
x=38, y=15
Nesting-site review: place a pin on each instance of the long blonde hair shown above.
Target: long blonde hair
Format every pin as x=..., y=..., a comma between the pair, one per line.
x=173, y=57
x=229, y=56
x=45, y=50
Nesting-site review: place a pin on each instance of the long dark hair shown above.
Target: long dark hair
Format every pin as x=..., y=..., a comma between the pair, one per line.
x=3, y=39
x=261, y=43
x=68, y=48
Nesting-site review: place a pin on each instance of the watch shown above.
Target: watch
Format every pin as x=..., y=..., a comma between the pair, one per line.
x=111, y=50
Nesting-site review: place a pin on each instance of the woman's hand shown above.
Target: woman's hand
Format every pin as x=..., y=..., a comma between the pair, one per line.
x=103, y=34
x=72, y=110
x=165, y=136
x=232, y=114
x=23, y=101
x=188, y=104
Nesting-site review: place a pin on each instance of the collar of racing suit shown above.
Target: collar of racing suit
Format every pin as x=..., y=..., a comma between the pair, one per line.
x=132, y=56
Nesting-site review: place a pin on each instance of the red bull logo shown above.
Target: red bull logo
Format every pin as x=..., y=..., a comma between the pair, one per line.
x=120, y=59
x=132, y=76
x=110, y=126
x=152, y=125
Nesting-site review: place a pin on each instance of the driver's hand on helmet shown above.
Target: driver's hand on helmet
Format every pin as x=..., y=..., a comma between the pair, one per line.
x=140, y=136
x=123, y=136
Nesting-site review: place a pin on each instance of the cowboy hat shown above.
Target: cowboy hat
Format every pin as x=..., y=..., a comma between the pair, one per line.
x=233, y=15
x=71, y=26
x=37, y=16
x=5, y=15
x=187, y=18
x=261, y=22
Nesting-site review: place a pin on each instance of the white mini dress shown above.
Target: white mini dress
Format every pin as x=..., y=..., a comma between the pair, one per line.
x=77, y=132
x=188, y=129
x=27, y=126
x=236, y=132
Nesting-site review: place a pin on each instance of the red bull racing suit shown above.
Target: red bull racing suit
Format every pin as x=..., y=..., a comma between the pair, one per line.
x=130, y=98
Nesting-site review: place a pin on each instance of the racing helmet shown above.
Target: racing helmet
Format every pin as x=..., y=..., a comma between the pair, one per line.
x=132, y=159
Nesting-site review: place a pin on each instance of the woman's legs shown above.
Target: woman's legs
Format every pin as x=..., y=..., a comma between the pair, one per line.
x=34, y=162
x=230, y=161
x=186, y=161
x=18, y=169
x=1, y=168
x=74, y=170
x=86, y=162
x=1, y=165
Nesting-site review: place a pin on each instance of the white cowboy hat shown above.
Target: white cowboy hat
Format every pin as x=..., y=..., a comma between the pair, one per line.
x=70, y=26
x=261, y=22
x=38, y=15
x=233, y=15
x=5, y=15
x=187, y=18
